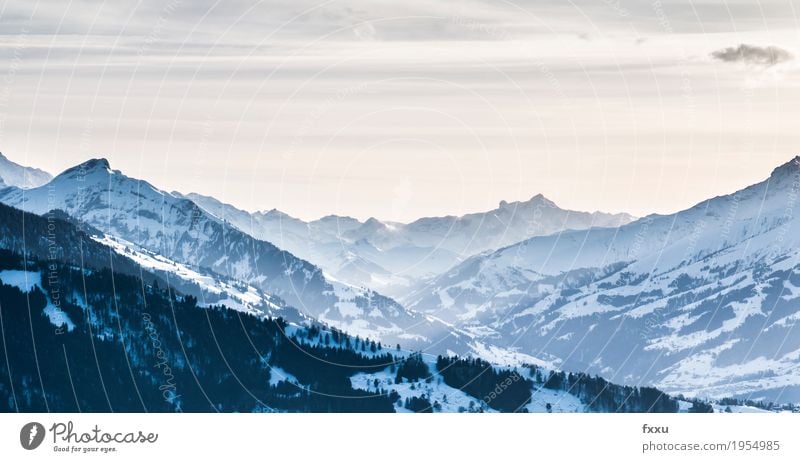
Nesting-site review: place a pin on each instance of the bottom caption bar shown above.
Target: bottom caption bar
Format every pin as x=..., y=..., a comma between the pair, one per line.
x=343, y=437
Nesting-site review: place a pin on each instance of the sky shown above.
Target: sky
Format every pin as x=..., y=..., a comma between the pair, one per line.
x=404, y=109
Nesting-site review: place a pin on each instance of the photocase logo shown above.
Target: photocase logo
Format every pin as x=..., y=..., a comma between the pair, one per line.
x=31, y=435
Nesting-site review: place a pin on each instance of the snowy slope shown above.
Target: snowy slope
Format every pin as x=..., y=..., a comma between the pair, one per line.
x=214, y=289
x=13, y=174
x=702, y=302
x=450, y=399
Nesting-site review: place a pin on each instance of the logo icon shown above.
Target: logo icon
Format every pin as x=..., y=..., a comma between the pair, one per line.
x=31, y=435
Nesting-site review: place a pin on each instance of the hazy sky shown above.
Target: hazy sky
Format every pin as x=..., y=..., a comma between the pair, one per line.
x=401, y=109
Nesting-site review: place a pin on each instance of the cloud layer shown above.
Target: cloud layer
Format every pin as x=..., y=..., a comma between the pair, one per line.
x=303, y=105
x=751, y=54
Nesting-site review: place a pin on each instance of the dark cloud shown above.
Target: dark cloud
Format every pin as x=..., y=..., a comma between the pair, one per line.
x=751, y=54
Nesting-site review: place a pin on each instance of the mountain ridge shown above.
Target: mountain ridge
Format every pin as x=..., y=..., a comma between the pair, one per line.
x=679, y=301
x=702, y=301
x=16, y=175
x=392, y=257
x=177, y=229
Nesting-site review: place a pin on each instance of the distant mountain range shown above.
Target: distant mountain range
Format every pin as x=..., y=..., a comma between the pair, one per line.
x=392, y=257
x=702, y=302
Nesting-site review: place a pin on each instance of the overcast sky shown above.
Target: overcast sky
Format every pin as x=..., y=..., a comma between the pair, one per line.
x=402, y=109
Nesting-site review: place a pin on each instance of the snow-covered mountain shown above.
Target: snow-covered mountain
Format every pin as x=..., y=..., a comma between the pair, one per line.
x=393, y=257
x=13, y=174
x=704, y=301
x=701, y=302
x=91, y=296
x=87, y=294
x=175, y=230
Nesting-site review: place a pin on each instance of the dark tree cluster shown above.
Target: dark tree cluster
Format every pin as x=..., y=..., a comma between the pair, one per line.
x=418, y=404
x=602, y=396
x=413, y=368
x=503, y=390
x=701, y=407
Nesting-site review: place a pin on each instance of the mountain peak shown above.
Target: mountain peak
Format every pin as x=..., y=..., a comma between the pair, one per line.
x=538, y=199
x=275, y=214
x=87, y=167
x=373, y=222
x=786, y=175
x=793, y=166
x=333, y=218
x=96, y=163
